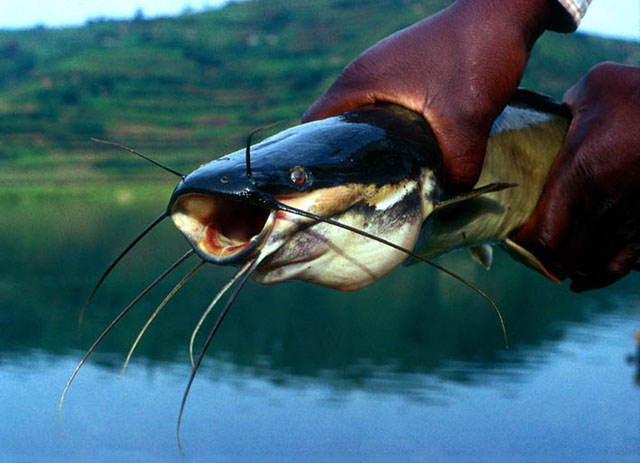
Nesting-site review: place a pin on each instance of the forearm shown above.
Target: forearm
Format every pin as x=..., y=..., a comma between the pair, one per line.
x=525, y=18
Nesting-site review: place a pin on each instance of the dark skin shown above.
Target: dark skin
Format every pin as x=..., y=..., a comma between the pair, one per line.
x=458, y=69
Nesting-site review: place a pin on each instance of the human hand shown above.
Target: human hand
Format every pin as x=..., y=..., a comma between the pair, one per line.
x=586, y=225
x=457, y=68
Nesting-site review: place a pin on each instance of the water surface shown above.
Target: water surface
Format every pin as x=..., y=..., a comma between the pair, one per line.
x=411, y=368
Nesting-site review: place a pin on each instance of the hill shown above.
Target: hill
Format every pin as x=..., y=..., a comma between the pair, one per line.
x=188, y=89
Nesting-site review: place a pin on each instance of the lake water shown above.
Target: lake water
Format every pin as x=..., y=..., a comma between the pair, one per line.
x=412, y=368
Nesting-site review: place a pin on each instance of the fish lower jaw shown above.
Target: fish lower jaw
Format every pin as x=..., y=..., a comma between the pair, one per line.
x=272, y=273
x=322, y=269
x=220, y=230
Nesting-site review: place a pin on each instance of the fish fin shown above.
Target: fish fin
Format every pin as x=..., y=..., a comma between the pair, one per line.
x=521, y=254
x=482, y=254
x=490, y=188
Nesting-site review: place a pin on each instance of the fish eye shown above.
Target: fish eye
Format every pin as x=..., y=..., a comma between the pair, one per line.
x=298, y=176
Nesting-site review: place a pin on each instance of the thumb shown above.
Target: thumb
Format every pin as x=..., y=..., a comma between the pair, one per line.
x=345, y=94
x=326, y=106
x=617, y=267
x=463, y=150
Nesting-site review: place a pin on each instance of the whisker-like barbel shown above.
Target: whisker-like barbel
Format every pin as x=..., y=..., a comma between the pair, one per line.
x=207, y=311
x=146, y=158
x=248, y=147
x=157, y=311
x=171, y=268
x=115, y=262
x=245, y=276
x=283, y=207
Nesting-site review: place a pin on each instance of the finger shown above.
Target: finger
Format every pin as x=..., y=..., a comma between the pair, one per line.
x=462, y=155
x=602, y=275
x=335, y=101
x=353, y=88
x=546, y=229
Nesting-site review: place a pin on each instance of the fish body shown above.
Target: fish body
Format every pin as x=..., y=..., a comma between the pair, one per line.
x=342, y=201
x=523, y=143
x=377, y=169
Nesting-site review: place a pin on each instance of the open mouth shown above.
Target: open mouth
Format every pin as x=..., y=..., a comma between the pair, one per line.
x=221, y=230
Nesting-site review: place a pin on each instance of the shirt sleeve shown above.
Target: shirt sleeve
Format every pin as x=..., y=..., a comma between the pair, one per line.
x=575, y=8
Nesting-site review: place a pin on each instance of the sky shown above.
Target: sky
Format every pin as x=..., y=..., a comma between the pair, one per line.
x=610, y=18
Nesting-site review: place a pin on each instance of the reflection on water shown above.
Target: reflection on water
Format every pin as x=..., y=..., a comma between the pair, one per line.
x=411, y=367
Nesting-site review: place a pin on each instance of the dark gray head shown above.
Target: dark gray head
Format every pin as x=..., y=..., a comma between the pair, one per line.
x=374, y=167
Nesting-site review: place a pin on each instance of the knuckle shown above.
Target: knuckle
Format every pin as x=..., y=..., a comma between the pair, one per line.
x=624, y=261
x=602, y=70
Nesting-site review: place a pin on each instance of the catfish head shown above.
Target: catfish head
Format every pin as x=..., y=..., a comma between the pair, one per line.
x=375, y=169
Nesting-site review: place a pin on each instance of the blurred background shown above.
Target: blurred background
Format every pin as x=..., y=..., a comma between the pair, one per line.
x=411, y=368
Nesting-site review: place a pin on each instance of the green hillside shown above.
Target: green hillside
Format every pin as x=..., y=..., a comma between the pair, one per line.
x=188, y=89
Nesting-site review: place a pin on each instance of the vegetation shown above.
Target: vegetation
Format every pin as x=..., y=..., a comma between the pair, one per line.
x=188, y=89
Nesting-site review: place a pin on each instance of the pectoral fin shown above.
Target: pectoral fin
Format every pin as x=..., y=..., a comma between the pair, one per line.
x=490, y=188
x=522, y=255
x=482, y=254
